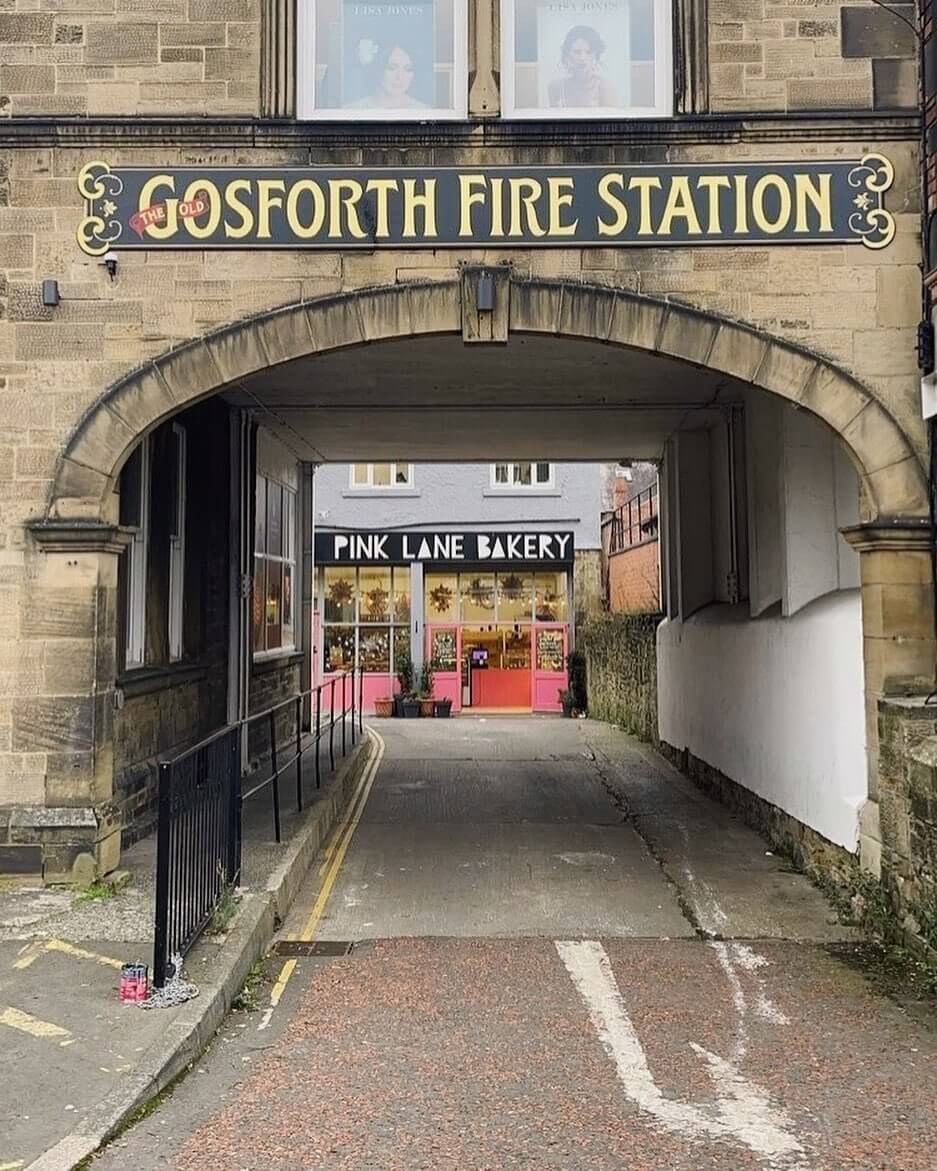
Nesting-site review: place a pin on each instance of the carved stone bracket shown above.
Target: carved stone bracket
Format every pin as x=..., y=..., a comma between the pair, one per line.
x=891, y=534
x=63, y=536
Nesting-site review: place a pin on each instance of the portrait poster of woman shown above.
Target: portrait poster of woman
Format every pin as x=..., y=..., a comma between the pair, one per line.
x=388, y=56
x=583, y=51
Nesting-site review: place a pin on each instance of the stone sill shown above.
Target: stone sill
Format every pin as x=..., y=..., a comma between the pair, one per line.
x=274, y=662
x=258, y=133
x=146, y=680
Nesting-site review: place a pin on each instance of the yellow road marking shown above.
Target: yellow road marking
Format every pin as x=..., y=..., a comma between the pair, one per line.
x=30, y=954
x=335, y=856
x=14, y=1166
x=23, y=1022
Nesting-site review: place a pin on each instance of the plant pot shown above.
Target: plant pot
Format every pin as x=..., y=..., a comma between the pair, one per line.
x=398, y=706
x=427, y=708
x=411, y=709
x=443, y=709
x=567, y=710
x=384, y=706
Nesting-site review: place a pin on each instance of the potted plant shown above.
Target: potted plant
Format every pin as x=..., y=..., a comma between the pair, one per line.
x=384, y=706
x=411, y=706
x=443, y=708
x=566, y=699
x=405, y=679
x=427, y=679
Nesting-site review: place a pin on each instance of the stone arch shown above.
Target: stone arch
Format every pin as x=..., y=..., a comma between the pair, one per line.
x=892, y=473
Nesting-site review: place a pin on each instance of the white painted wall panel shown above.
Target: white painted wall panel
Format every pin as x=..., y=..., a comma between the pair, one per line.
x=776, y=704
x=763, y=451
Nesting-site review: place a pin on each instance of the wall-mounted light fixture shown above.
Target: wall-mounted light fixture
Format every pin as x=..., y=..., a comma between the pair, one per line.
x=50, y=293
x=485, y=293
x=109, y=260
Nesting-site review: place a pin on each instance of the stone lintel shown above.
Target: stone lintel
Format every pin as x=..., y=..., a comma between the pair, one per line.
x=80, y=536
x=898, y=534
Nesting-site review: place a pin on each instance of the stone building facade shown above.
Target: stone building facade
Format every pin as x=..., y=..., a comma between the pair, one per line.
x=120, y=351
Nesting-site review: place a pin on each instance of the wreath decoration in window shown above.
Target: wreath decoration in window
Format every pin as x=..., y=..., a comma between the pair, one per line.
x=377, y=600
x=340, y=592
x=513, y=587
x=441, y=599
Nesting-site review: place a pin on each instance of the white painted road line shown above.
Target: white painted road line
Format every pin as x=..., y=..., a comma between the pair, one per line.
x=743, y=1111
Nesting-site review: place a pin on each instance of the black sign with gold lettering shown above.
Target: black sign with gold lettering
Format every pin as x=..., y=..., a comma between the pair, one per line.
x=493, y=207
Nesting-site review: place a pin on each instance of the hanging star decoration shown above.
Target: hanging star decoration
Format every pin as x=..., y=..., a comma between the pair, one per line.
x=377, y=604
x=441, y=599
x=513, y=587
x=340, y=592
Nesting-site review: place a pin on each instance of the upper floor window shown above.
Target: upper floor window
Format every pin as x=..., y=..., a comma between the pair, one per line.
x=382, y=475
x=580, y=59
x=522, y=475
x=382, y=61
x=274, y=565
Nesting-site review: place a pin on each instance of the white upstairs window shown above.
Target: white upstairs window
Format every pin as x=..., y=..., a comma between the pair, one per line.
x=523, y=475
x=382, y=475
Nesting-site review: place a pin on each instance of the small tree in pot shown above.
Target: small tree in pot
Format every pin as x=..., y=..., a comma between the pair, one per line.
x=427, y=679
x=405, y=679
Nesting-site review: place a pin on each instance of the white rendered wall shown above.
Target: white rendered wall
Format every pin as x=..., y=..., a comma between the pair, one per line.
x=775, y=704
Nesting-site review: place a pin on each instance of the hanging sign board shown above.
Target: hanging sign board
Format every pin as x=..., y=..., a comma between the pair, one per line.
x=488, y=207
x=358, y=547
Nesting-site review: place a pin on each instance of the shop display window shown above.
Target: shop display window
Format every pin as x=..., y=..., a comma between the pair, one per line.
x=443, y=650
x=580, y=59
x=477, y=596
x=366, y=617
x=515, y=596
x=550, y=647
x=442, y=597
x=550, y=597
x=516, y=653
x=274, y=565
x=382, y=61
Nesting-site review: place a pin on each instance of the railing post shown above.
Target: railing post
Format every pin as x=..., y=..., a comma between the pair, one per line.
x=235, y=809
x=353, y=729
x=299, y=753
x=332, y=725
x=318, y=735
x=163, y=844
x=276, y=774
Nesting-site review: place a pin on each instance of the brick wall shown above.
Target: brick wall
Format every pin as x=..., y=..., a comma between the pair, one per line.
x=122, y=57
x=633, y=579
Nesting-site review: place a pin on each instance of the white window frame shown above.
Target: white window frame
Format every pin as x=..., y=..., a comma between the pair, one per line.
x=288, y=521
x=663, y=75
x=177, y=550
x=515, y=485
x=306, y=110
x=135, y=649
x=370, y=486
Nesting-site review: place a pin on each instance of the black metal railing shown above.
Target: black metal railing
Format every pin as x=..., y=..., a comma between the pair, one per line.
x=201, y=801
x=632, y=523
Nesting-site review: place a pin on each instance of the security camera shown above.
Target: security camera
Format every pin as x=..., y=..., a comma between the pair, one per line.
x=109, y=260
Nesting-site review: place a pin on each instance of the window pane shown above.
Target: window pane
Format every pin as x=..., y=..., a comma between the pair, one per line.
x=289, y=525
x=375, y=595
x=274, y=519
x=402, y=473
x=260, y=516
x=517, y=649
x=381, y=475
x=360, y=475
x=287, y=603
x=443, y=650
x=339, y=594
x=543, y=473
x=274, y=603
x=374, y=643
x=550, y=650
x=338, y=650
x=389, y=59
x=515, y=597
x=522, y=474
x=442, y=597
x=257, y=603
x=402, y=595
x=550, y=597
x=501, y=473
x=401, y=635
x=478, y=596
x=591, y=60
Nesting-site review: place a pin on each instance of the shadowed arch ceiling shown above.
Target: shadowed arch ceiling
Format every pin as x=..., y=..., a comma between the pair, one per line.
x=433, y=398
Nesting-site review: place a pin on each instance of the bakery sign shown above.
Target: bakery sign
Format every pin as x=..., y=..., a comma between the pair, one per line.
x=358, y=547
x=492, y=207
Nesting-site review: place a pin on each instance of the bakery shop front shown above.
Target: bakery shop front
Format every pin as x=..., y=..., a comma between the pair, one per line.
x=489, y=610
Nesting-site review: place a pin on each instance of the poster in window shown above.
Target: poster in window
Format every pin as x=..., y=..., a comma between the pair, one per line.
x=583, y=55
x=388, y=57
x=550, y=650
x=444, y=650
